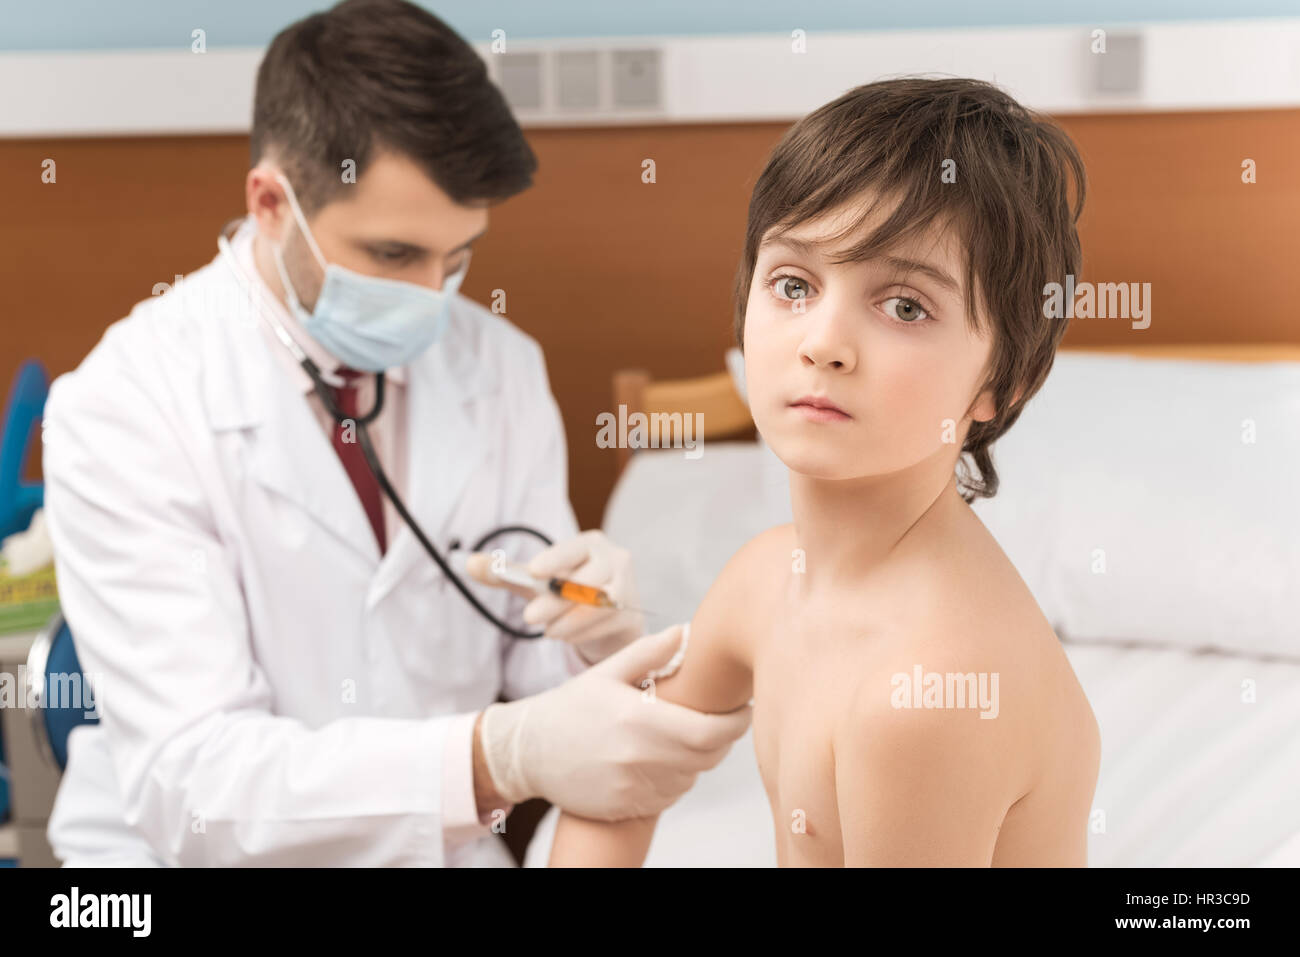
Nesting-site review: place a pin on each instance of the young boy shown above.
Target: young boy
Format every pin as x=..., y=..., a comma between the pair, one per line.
x=912, y=705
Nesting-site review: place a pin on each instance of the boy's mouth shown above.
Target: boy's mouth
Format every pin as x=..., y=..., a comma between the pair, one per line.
x=819, y=409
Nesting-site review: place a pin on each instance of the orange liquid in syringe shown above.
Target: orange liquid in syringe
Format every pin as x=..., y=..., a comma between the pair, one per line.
x=582, y=594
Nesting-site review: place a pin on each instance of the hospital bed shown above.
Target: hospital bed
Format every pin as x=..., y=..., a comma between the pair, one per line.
x=1180, y=464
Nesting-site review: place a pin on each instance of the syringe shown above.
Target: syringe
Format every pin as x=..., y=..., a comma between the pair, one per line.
x=565, y=588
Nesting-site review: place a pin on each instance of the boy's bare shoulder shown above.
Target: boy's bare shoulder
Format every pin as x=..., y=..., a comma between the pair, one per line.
x=965, y=704
x=759, y=564
x=739, y=596
x=777, y=539
x=959, y=587
x=716, y=671
x=958, y=606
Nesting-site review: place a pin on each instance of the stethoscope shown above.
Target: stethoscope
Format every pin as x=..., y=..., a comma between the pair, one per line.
x=368, y=450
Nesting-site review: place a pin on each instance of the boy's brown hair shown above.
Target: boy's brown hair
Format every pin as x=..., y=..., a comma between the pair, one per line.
x=1010, y=203
x=385, y=75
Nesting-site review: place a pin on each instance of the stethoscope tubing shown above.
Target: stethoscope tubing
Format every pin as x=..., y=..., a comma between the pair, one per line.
x=372, y=461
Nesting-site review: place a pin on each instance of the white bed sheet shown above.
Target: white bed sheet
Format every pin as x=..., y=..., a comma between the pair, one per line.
x=1191, y=774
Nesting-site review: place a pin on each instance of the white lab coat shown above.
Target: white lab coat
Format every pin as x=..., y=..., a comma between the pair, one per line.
x=272, y=691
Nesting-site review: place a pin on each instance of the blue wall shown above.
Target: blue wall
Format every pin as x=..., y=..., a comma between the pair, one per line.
x=124, y=24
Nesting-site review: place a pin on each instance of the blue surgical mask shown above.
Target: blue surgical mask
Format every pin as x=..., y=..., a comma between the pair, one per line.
x=366, y=322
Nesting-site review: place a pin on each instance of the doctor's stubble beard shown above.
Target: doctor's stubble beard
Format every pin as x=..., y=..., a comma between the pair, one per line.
x=303, y=268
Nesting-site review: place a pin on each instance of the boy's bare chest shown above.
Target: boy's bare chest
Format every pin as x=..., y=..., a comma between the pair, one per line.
x=805, y=676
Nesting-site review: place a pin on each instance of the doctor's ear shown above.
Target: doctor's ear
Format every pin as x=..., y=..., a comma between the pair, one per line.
x=267, y=202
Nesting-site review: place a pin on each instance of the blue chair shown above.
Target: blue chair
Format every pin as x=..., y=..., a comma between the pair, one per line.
x=19, y=499
x=4, y=783
x=53, y=674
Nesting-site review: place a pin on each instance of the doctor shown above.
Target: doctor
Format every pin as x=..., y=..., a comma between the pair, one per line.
x=283, y=674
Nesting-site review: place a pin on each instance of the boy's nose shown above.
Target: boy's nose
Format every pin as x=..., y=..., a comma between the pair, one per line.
x=828, y=344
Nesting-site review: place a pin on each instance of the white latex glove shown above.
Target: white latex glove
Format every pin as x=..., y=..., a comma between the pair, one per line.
x=599, y=747
x=589, y=559
x=30, y=550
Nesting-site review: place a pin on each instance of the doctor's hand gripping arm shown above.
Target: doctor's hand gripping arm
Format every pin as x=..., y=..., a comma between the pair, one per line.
x=589, y=744
x=712, y=673
x=597, y=748
x=207, y=773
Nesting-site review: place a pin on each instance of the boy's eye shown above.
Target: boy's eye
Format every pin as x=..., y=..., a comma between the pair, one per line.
x=790, y=287
x=904, y=309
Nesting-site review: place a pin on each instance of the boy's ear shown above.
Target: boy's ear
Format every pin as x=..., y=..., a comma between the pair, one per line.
x=984, y=409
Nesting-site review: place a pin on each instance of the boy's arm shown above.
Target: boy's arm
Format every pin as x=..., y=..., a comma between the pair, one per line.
x=582, y=842
x=715, y=676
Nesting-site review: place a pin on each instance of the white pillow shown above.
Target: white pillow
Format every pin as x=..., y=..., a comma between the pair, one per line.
x=682, y=519
x=735, y=360
x=1135, y=506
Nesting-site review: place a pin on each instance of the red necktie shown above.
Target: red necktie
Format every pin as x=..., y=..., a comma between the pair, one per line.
x=354, y=460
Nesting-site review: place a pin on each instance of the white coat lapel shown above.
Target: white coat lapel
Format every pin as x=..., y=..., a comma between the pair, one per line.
x=294, y=457
x=446, y=444
x=287, y=451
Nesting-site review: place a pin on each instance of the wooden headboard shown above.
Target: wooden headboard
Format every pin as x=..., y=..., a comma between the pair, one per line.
x=608, y=272
x=725, y=415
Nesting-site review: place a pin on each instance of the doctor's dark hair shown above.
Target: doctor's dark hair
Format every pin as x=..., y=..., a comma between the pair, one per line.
x=1010, y=204
x=369, y=76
